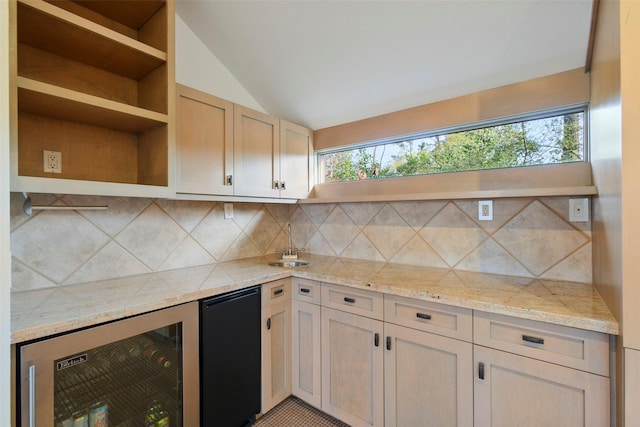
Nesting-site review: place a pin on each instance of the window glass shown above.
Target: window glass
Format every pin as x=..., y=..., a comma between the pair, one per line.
x=544, y=139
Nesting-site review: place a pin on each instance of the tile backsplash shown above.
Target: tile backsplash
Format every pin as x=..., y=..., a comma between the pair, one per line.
x=528, y=237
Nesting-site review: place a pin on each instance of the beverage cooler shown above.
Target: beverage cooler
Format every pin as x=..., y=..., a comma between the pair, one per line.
x=140, y=371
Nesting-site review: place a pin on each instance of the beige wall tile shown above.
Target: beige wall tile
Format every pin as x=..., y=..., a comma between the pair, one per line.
x=528, y=237
x=151, y=236
x=452, y=234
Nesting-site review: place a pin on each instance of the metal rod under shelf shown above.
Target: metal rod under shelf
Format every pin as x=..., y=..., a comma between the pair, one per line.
x=29, y=208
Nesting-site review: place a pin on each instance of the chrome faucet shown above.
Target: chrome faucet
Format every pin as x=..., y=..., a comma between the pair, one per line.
x=289, y=252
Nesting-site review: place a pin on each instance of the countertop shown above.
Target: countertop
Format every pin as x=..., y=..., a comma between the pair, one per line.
x=41, y=313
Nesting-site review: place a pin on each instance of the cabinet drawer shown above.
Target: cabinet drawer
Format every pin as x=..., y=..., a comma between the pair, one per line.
x=575, y=348
x=275, y=292
x=356, y=301
x=305, y=290
x=441, y=319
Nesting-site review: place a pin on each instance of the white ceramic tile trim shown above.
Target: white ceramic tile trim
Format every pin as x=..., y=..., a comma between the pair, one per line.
x=527, y=237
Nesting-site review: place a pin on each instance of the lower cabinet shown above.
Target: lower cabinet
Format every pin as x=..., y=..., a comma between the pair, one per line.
x=352, y=368
x=276, y=343
x=512, y=390
x=427, y=379
x=306, y=376
x=430, y=364
x=530, y=374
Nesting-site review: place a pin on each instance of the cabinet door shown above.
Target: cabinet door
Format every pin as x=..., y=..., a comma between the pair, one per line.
x=305, y=344
x=276, y=354
x=352, y=368
x=296, y=148
x=256, y=162
x=204, y=143
x=428, y=379
x=512, y=390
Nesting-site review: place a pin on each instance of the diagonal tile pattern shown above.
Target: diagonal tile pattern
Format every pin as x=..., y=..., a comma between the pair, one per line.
x=452, y=234
x=539, y=238
x=529, y=237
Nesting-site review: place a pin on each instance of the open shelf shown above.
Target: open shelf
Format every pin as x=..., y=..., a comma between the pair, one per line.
x=93, y=80
x=52, y=101
x=133, y=14
x=50, y=28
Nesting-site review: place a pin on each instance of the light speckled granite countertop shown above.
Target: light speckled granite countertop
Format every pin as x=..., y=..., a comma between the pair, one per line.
x=40, y=313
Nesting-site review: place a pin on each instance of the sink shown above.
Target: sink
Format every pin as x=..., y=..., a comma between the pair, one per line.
x=289, y=263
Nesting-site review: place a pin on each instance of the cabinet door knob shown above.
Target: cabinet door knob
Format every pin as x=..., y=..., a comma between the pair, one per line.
x=276, y=185
x=388, y=343
x=376, y=339
x=481, y=370
x=283, y=185
x=229, y=180
x=268, y=323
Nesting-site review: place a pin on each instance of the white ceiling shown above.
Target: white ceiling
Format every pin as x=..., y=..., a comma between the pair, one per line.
x=323, y=63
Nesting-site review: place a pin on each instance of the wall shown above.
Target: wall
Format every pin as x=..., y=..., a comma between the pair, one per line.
x=528, y=237
x=606, y=162
x=5, y=273
x=198, y=67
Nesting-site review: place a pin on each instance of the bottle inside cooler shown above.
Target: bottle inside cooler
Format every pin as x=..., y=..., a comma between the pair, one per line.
x=133, y=382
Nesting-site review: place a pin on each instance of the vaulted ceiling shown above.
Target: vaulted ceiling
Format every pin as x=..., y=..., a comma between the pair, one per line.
x=321, y=63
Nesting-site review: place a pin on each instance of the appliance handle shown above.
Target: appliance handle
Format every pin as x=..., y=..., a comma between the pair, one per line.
x=230, y=296
x=32, y=395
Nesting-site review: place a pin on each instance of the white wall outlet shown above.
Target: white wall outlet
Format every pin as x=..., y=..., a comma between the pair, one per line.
x=579, y=210
x=52, y=161
x=485, y=210
x=228, y=210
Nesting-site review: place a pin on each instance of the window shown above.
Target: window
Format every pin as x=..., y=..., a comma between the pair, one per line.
x=551, y=137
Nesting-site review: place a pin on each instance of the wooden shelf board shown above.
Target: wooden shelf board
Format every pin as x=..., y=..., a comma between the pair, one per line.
x=70, y=186
x=132, y=13
x=52, y=101
x=45, y=26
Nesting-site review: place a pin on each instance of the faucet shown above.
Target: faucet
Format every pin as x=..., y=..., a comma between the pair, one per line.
x=290, y=252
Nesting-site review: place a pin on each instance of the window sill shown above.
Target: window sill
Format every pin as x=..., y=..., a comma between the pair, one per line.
x=571, y=179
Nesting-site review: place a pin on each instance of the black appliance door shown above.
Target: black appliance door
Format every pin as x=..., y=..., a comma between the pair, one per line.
x=230, y=358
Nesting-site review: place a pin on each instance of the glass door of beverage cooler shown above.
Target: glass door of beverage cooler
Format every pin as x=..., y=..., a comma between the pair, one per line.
x=141, y=371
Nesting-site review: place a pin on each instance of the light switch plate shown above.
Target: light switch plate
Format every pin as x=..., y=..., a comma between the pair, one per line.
x=579, y=210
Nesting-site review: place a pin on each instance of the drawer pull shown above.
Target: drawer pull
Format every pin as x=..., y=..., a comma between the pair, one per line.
x=423, y=316
x=481, y=370
x=278, y=291
x=305, y=290
x=376, y=339
x=531, y=339
x=350, y=300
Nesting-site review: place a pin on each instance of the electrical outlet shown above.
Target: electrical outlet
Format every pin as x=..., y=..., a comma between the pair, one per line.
x=52, y=161
x=228, y=210
x=485, y=210
x=579, y=210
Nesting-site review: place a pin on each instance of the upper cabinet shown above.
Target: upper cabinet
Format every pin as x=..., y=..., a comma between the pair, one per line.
x=225, y=149
x=204, y=137
x=256, y=159
x=296, y=154
x=93, y=81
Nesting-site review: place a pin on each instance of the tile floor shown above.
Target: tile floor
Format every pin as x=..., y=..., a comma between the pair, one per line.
x=293, y=412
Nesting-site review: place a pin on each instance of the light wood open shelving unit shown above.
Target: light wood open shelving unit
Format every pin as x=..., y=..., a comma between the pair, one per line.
x=93, y=80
